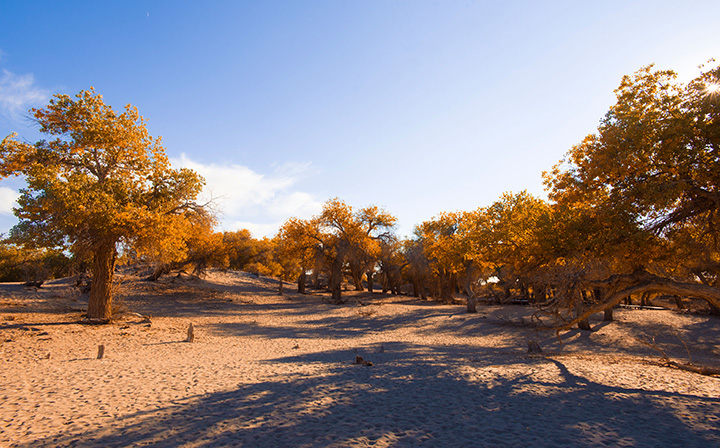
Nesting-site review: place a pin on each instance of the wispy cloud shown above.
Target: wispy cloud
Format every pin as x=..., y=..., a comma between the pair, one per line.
x=18, y=93
x=254, y=201
x=8, y=196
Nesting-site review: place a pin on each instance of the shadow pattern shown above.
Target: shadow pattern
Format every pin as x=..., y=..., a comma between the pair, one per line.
x=416, y=396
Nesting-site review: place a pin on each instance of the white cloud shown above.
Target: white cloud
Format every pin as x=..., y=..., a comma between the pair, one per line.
x=294, y=204
x=18, y=93
x=257, y=230
x=8, y=196
x=254, y=201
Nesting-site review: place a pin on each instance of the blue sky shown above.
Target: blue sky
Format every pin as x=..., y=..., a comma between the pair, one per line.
x=418, y=106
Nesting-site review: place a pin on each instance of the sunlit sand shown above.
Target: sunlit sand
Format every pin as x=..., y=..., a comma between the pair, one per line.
x=266, y=370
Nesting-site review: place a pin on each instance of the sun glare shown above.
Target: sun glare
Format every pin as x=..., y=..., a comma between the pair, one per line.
x=712, y=89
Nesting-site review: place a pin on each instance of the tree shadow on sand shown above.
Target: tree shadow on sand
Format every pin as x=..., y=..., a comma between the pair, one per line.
x=416, y=396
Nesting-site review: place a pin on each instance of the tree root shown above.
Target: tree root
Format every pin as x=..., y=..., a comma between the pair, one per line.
x=145, y=319
x=701, y=370
x=94, y=321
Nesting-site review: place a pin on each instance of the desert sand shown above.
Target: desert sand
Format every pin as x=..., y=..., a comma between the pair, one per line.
x=266, y=371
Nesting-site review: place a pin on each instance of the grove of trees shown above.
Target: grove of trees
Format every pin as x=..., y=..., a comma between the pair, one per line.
x=633, y=211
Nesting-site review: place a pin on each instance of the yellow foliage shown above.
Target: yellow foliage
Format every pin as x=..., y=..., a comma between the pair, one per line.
x=101, y=180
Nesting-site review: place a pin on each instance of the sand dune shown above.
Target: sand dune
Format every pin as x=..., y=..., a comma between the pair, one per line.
x=266, y=370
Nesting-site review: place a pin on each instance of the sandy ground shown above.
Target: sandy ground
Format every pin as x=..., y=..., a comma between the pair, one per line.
x=270, y=371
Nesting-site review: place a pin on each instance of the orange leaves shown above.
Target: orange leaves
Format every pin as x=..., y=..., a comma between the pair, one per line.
x=103, y=178
x=441, y=243
x=645, y=187
x=14, y=156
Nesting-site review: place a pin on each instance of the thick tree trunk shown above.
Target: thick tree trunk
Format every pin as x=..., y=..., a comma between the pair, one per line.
x=583, y=324
x=369, y=275
x=100, y=302
x=472, y=304
x=607, y=313
x=301, y=281
x=469, y=275
x=446, y=287
x=358, y=283
x=336, y=281
x=280, y=287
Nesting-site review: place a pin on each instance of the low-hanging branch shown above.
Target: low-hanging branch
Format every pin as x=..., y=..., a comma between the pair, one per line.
x=641, y=282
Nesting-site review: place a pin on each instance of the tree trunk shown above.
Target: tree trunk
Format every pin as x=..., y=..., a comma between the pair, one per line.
x=369, y=275
x=336, y=281
x=301, y=281
x=446, y=288
x=280, y=287
x=608, y=315
x=103, y=267
x=159, y=271
x=539, y=294
x=645, y=299
x=469, y=275
x=679, y=302
x=472, y=305
x=524, y=292
x=583, y=324
x=357, y=279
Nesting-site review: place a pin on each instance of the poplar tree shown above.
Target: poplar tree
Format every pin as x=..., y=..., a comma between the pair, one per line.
x=99, y=180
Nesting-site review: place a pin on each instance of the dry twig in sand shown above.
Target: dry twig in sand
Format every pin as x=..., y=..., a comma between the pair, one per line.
x=665, y=360
x=359, y=360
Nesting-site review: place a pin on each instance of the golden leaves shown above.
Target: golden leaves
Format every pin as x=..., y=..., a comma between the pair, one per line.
x=103, y=177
